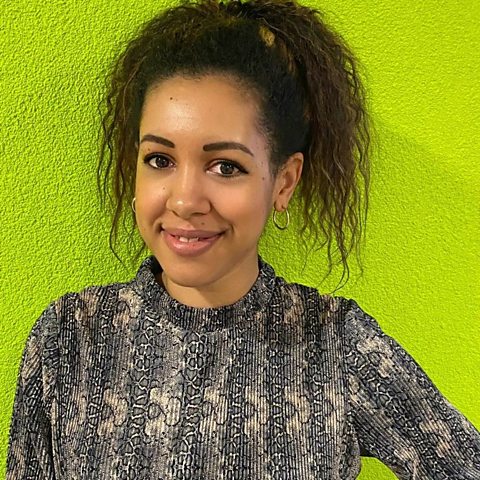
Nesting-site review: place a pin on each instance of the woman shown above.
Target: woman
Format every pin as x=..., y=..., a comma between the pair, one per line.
x=207, y=365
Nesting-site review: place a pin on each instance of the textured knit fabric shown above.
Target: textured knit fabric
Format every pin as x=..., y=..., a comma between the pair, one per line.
x=124, y=382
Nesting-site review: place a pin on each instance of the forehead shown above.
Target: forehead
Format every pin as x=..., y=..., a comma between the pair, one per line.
x=212, y=102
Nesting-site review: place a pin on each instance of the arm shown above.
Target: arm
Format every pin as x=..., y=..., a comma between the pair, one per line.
x=400, y=417
x=30, y=447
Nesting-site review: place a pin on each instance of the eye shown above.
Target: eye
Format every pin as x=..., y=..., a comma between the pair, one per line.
x=228, y=168
x=158, y=161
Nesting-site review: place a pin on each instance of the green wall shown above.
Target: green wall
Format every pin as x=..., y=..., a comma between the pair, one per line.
x=422, y=253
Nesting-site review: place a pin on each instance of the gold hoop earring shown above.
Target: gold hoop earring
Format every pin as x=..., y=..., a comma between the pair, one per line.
x=133, y=205
x=287, y=220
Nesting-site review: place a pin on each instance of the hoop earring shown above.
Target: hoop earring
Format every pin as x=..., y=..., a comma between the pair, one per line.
x=133, y=205
x=275, y=220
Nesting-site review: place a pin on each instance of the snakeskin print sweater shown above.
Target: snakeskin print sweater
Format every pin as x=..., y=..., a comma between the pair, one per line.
x=124, y=382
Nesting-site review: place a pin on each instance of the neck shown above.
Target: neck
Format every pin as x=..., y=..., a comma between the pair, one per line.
x=225, y=291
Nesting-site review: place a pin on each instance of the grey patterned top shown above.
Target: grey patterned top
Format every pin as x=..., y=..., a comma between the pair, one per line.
x=124, y=382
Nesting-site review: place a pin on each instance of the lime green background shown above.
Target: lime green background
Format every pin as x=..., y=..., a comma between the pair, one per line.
x=422, y=254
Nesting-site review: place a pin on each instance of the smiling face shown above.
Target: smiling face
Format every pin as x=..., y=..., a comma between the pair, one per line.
x=204, y=187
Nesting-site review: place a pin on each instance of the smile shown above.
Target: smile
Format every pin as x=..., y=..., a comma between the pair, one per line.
x=189, y=246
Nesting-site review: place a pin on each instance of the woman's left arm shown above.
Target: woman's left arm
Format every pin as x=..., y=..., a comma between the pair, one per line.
x=399, y=415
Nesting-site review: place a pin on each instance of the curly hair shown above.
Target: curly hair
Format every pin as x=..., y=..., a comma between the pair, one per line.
x=310, y=100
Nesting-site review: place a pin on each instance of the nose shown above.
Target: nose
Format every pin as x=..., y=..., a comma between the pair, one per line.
x=187, y=196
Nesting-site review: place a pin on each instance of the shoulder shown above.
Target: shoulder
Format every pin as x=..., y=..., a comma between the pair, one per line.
x=87, y=309
x=323, y=311
x=88, y=300
x=329, y=308
x=339, y=315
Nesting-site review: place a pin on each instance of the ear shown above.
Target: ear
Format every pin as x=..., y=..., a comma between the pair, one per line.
x=286, y=181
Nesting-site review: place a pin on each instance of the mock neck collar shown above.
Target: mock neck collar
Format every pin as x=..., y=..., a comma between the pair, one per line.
x=205, y=318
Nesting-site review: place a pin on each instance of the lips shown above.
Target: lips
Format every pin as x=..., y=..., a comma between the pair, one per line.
x=190, y=242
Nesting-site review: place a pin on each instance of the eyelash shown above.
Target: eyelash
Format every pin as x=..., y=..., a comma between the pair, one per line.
x=240, y=170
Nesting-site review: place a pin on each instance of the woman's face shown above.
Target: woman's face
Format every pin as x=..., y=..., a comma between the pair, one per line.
x=204, y=188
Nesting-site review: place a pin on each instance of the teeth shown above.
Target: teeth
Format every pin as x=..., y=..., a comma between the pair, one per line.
x=188, y=240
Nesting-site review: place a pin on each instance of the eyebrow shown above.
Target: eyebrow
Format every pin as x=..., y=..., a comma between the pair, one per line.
x=206, y=148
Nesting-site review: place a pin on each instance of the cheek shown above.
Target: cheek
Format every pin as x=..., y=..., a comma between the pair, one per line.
x=247, y=208
x=150, y=199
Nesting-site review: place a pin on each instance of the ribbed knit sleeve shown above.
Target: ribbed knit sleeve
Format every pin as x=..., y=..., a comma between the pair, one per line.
x=400, y=417
x=30, y=454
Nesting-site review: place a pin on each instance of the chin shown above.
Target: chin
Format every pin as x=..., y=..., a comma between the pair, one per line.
x=188, y=276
